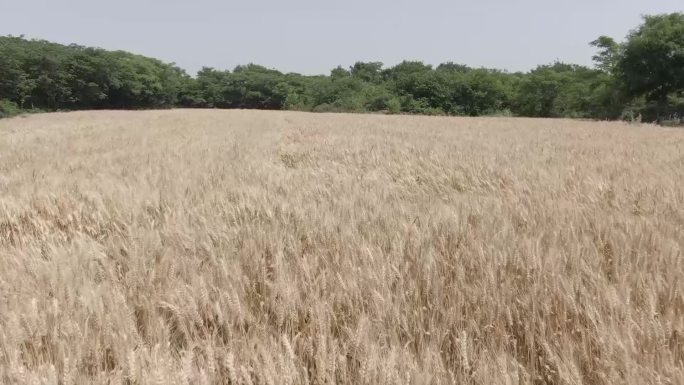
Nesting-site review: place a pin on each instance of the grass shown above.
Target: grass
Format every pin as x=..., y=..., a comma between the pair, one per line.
x=238, y=247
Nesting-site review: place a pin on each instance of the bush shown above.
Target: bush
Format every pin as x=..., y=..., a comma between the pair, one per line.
x=669, y=113
x=8, y=109
x=394, y=105
x=504, y=113
x=325, y=107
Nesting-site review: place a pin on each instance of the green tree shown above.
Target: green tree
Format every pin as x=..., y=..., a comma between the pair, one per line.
x=651, y=64
x=368, y=72
x=609, y=53
x=339, y=73
x=453, y=67
x=557, y=90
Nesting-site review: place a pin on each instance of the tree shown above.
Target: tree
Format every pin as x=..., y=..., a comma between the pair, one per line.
x=558, y=90
x=453, y=67
x=406, y=68
x=368, y=72
x=339, y=73
x=609, y=53
x=642, y=76
x=651, y=64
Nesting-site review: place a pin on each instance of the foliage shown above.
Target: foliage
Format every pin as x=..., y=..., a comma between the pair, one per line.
x=641, y=77
x=40, y=74
x=652, y=62
x=608, y=55
x=8, y=109
x=559, y=90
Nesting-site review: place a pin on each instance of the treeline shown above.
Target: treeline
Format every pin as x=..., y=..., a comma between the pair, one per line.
x=411, y=87
x=44, y=75
x=642, y=77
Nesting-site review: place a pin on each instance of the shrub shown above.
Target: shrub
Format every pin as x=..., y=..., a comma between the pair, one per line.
x=8, y=109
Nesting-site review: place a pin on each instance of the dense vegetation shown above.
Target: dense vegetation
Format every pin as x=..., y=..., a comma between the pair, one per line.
x=642, y=77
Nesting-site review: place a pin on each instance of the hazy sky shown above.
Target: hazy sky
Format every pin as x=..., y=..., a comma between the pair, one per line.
x=313, y=36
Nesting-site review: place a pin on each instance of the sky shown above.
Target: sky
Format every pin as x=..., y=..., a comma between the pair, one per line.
x=314, y=36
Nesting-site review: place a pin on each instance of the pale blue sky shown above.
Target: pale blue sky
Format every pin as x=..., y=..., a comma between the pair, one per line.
x=314, y=36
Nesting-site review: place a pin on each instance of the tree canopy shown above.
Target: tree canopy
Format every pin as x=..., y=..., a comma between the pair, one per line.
x=650, y=64
x=644, y=75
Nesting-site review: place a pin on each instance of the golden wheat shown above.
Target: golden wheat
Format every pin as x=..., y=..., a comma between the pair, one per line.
x=238, y=247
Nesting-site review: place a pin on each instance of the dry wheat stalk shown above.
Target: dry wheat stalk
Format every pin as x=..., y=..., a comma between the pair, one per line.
x=244, y=247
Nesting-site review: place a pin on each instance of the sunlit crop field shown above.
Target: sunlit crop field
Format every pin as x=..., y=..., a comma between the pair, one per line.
x=244, y=247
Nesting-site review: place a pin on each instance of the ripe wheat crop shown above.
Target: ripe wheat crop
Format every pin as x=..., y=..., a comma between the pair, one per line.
x=238, y=247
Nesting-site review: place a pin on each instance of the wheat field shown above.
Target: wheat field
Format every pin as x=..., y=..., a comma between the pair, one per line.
x=245, y=247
